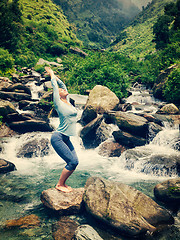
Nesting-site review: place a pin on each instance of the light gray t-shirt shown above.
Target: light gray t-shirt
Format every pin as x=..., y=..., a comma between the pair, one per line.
x=67, y=113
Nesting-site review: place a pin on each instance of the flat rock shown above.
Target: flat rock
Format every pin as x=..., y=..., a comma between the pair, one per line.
x=64, y=203
x=29, y=221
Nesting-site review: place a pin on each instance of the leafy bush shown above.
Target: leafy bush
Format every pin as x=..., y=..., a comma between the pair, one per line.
x=6, y=61
x=171, y=90
x=57, y=49
x=108, y=69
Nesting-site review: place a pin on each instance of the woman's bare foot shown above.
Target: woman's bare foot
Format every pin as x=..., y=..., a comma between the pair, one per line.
x=64, y=188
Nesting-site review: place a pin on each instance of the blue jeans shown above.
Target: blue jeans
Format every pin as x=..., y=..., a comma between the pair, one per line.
x=64, y=148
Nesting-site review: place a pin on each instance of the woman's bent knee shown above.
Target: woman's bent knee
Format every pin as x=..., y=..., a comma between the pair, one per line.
x=72, y=165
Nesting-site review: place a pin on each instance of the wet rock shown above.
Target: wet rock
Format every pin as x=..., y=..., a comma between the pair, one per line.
x=6, y=107
x=5, y=131
x=29, y=221
x=102, y=99
x=64, y=229
x=130, y=123
x=4, y=83
x=88, y=115
x=163, y=164
x=169, y=192
x=169, y=109
x=63, y=203
x=34, y=148
x=18, y=87
x=111, y=149
x=30, y=126
x=123, y=207
x=151, y=162
x=6, y=166
x=86, y=232
x=128, y=140
x=16, y=117
x=16, y=96
x=154, y=129
x=88, y=133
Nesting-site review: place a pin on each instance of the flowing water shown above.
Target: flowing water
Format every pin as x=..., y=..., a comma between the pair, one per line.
x=20, y=190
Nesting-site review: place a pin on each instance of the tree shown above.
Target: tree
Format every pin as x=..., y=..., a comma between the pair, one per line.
x=167, y=25
x=10, y=24
x=161, y=31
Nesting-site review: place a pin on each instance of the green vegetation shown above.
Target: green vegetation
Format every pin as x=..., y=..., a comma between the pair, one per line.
x=33, y=29
x=6, y=62
x=104, y=68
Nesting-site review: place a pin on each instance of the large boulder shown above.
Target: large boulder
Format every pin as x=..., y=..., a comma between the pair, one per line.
x=6, y=107
x=123, y=207
x=88, y=115
x=130, y=123
x=34, y=148
x=88, y=133
x=101, y=99
x=128, y=140
x=63, y=203
x=6, y=166
x=169, y=192
x=86, y=232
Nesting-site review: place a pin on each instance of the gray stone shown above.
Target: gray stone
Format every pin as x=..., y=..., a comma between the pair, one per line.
x=34, y=148
x=128, y=140
x=123, y=207
x=102, y=99
x=6, y=107
x=169, y=192
x=6, y=166
x=63, y=203
x=132, y=123
x=88, y=133
x=86, y=232
x=111, y=149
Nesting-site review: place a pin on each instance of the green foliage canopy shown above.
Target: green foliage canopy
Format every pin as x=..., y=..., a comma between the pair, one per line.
x=10, y=24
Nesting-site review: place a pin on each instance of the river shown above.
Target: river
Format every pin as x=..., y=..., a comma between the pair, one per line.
x=20, y=190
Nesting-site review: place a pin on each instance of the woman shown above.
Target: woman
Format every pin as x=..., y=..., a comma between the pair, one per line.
x=60, y=139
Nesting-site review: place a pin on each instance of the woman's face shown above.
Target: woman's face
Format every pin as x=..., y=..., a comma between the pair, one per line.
x=63, y=93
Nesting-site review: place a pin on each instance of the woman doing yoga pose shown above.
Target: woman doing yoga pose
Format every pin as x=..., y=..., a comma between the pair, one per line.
x=60, y=139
